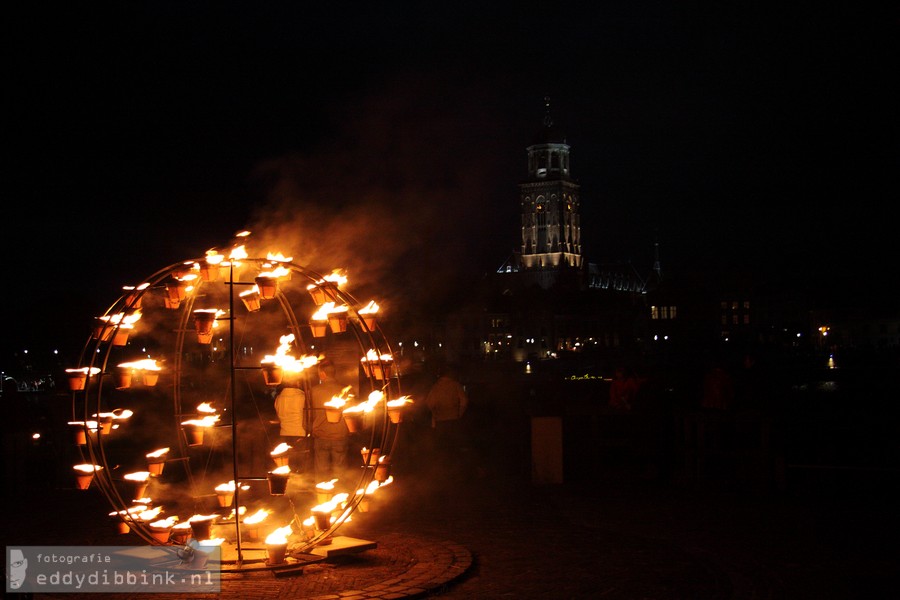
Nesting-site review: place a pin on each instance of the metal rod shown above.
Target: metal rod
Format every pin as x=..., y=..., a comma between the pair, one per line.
x=234, y=444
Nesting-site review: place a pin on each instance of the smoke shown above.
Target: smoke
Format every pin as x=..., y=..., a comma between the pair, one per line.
x=403, y=197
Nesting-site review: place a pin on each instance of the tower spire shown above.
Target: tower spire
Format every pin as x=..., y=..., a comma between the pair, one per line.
x=548, y=120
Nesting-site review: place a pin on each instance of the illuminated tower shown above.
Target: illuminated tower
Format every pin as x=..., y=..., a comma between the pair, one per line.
x=549, y=199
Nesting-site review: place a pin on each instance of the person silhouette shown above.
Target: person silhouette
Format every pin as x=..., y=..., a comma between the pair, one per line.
x=18, y=565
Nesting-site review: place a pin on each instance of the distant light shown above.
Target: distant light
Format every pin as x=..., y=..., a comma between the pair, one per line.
x=35, y=436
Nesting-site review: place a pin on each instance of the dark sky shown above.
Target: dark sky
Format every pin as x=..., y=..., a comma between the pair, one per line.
x=390, y=137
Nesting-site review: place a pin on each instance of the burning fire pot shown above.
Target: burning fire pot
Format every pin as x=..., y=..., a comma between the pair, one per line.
x=278, y=480
x=204, y=320
x=272, y=374
x=268, y=287
x=250, y=298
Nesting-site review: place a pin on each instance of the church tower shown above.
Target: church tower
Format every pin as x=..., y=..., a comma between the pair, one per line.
x=549, y=204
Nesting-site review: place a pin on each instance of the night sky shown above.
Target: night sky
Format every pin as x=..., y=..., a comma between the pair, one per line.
x=389, y=139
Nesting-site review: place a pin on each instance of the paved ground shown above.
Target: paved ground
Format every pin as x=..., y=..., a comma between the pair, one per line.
x=619, y=537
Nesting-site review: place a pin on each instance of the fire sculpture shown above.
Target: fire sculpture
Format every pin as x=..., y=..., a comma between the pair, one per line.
x=167, y=304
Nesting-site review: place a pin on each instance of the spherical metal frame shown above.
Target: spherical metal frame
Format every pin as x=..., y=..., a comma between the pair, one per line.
x=100, y=351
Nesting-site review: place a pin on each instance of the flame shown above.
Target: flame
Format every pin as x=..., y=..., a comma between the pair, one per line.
x=185, y=278
x=140, y=476
x=399, y=402
x=213, y=257
x=361, y=408
x=87, y=468
x=132, y=288
x=279, y=536
x=286, y=361
x=241, y=510
x=280, y=449
x=148, y=515
x=326, y=485
x=166, y=523
x=118, y=414
x=278, y=257
x=226, y=487
x=121, y=318
x=230, y=487
x=205, y=407
x=202, y=518
x=372, y=355
x=181, y=525
x=337, y=276
x=336, y=401
x=207, y=421
x=157, y=453
x=369, y=309
x=147, y=364
x=257, y=517
x=328, y=308
x=283, y=470
x=279, y=271
x=84, y=370
x=253, y=290
x=131, y=512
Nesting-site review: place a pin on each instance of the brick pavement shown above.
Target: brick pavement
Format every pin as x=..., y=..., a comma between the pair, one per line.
x=612, y=537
